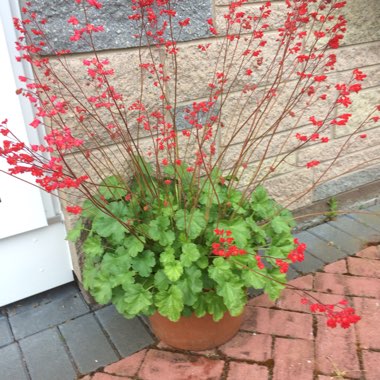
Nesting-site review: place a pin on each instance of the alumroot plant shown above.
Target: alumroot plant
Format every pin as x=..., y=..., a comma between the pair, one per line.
x=174, y=215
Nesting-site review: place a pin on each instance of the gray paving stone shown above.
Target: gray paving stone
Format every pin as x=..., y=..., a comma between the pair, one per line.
x=46, y=357
x=87, y=343
x=5, y=332
x=321, y=249
x=11, y=365
x=128, y=335
x=354, y=228
x=370, y=219
x=62, y=307
x=310, y=264
x=339, y=239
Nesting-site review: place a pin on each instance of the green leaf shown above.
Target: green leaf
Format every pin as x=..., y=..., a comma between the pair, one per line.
x=254, y=280
x=190, y=253
x=173, y=270
x=200, y=305
x=137, y=299
x=90, y=210
x=113, y=188
x=220, y=270
x=274, y=285
x=108, y=226
x=157, y=231
x=240, y=231
x=233, y=295
x=93, y=246
x=191, y=285
x=279, y=225
x=134, y=245
x=215, y=305
x=161, y=281
x=74, y=234
x=170, y=303
x=144, y=263
x=193, y=223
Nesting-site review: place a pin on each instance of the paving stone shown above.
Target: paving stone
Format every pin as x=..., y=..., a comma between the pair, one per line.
x=11, y=365
x=128, y=335
x=46, y=356
x=128, y=366
x=87, y=343
x=350, y=285
x=304, y=282
x=5, y=332
x=370, y=219
x=55, y=294
x=293, y=359
x=291, y=300
x=248, y=346
x=335, y=349
x=278, y=322
x=308, y=265
x=239, y=371
x=291, y=274
x=337, y=267
x=362, y=267
x=368, y=327
x=106, y=376
x=371, y=362
x=371, y=252
x=262, y=301
x=339, y=239
x=355, y=228
x=320, y=248
x=173, y=366
x=63, y=307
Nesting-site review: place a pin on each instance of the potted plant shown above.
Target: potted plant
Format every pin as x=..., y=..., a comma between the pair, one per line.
x=175, y=220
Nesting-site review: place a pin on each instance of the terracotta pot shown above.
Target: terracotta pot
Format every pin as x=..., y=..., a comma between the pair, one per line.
x=195, y=334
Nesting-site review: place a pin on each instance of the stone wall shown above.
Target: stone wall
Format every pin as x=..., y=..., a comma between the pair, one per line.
x=357, y=165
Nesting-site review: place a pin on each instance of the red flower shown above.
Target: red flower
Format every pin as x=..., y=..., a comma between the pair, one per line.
x=74, y=209
x=313, y=163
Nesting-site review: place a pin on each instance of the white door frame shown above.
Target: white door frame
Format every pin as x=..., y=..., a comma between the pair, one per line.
x=34, y=256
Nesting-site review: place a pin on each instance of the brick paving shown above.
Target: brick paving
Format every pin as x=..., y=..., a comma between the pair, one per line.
x=282, y=340
x=56, y=335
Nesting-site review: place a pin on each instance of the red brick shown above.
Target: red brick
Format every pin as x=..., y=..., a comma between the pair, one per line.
x=262, y=301
x=370, y=253
x=304, y=282
x=364, y=267
x=371, y=365
x=368, y=326
x=336, y=350
x=173, y=366
x=249, y=346
x=349, y=285
x=128, y=366
x=322, y=377
x=337, y=267
x=293, y=359
x=106, y=376
x=291, y=300
x=278, y=322
x=87, y=377
x=240, y=371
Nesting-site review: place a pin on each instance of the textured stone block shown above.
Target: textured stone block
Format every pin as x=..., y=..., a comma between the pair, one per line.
x=339, y=239
x=119, y=29
x=46, y=357
x=244, y=346
x=168, y=365
x=87, y=344
x=363, y=21
x=278, y=322
x=336, y=348
x=5, y=332
x=247, y=371
x=11, y=363
x=66, y=306
x=128, y=335
x=293, y=359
